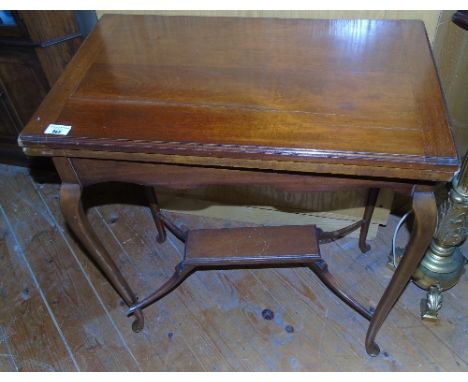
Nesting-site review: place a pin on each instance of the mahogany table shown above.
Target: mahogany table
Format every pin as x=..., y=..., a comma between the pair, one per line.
x=296, y=104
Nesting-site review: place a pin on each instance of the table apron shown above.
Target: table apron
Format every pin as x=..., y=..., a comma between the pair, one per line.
x=92, y=171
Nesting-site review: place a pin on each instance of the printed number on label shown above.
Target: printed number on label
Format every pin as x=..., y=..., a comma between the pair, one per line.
x=57, y=129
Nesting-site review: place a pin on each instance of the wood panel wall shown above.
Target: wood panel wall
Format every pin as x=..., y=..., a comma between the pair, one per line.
x=451, y=56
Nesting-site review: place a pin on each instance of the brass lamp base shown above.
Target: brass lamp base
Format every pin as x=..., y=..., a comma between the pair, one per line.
x=436, y=274
x=443, y=264
x=442, y=270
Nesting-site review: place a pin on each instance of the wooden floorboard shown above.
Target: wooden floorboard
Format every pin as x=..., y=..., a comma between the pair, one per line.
x=185, y=326
x=30, y=339
x=59, y=313
x=79, y=315
x=7, y=359
x=155, y=349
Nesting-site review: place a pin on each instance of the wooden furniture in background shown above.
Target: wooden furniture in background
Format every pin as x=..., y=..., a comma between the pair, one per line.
x=301, y=105
x=33, y=53
x=429, y=17
x=451, y=57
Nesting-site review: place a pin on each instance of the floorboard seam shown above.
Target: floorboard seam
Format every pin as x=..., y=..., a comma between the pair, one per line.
x=101, y=216
x=124, y=251
x=174, y=247
x=195, y=318
x=411, y=344
x=9, y=352
x=62, y=234
x=38, y=286
x=131, y=259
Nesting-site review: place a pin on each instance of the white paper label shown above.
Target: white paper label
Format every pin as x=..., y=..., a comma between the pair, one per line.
x=57, y=129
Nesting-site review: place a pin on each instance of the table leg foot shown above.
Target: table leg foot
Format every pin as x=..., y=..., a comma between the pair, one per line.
x=138, y=322
x=364, y=247
x=425, y=213
x=372, y=349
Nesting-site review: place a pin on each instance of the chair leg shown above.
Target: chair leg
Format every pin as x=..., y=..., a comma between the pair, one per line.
x=72, y=209
x=155, y=211
x=425, y=213
x=369, y=210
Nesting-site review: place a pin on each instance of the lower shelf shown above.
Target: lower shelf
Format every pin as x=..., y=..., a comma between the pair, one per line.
x=252, y=246
x=249, y=246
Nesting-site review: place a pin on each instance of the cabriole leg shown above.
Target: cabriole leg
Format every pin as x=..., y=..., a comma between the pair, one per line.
x=72, y=209
x=425, y=215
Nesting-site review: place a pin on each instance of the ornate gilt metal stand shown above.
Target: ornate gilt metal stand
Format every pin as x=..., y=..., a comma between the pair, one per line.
x=443, y=263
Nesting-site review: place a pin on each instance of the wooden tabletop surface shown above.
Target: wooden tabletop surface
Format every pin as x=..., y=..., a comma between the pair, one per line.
x=356, y=94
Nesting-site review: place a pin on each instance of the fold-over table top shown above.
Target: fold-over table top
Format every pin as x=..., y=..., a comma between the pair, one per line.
x=343, y=96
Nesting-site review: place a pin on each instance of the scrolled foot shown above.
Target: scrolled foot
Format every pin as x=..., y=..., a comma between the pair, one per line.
x=364, y=247
x=161, y=238
x=372, y=349
x=139, y=322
